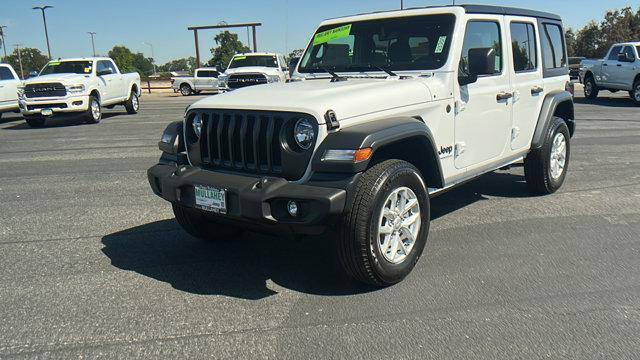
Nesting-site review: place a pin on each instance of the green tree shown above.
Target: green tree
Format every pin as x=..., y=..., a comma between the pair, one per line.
x=32, y=60
x=295, y=53
x=131, y=62
x=228, y=45
x=594, y=39
x=570, y=39
x=183, y=64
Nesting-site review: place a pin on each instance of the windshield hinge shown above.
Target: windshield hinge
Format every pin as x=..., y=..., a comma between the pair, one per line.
x=459, y=106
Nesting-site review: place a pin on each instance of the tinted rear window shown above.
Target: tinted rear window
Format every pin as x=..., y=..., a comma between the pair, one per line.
x=5, y=73
x=613, y=55
x=553, y=55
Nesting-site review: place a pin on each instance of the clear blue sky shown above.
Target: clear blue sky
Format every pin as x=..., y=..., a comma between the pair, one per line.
x=287, y=24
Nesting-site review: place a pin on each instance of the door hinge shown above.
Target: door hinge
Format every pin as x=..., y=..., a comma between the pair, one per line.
x=514, y=133
x=459, y=106
x=460, y=148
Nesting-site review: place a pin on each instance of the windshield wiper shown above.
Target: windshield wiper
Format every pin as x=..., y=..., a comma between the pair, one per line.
x=334, y=77
x=389, y=72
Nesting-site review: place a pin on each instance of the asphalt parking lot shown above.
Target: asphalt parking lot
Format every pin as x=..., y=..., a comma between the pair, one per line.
x=93, y=264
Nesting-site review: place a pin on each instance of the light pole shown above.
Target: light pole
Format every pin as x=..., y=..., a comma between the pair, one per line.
x=19, y=59
x=44, y=19
x=93, y=44
x=152, y=56
x=4, y=43
x=401, y=4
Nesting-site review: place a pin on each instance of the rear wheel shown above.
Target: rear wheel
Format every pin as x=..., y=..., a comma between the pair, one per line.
x=201, y=226
x=545, y=168
x=385, y=227
x=590, y=88
x=35, y=122
x=185, y=90
x=133, y=103
x=94, y=113
x=635, y=92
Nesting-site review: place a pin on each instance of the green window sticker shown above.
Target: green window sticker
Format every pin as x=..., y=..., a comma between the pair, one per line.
x=239, y=58
x=440, y=46
x=54, y=63
x=332, y=34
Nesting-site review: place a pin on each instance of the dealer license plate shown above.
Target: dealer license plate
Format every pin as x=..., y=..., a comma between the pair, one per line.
x=46, y=112
x=211, y=199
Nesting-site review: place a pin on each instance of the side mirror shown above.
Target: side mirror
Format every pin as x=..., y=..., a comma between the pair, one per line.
x=104, y=72
x=481, y=61
x=33, y=74
x=624, y=58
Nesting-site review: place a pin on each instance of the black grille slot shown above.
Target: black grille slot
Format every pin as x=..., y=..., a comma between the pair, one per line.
x=236, y=81
x=44, y=90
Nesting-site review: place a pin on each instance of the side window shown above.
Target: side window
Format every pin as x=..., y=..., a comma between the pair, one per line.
x=482, y=37
x=207, y=73
x=613, y=55
x=5, y=73
x=111, y=66
x=101, y=66
x=553, y=54
x=628, y=50
x=523, y=41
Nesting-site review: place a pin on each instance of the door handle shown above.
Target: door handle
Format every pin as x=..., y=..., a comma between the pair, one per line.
x=605, y=64
x=504, y=95
x=619, y=65
x=536, y=90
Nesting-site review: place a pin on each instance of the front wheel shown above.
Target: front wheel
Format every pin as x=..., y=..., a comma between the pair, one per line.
x=133, y=103
x=201, y=226
x=94, y=113
x=545, y=168
x=590, y=88
x=385, y=227
x=185, y=90
x=635, y=93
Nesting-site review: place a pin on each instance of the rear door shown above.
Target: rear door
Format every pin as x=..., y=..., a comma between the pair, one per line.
x=483, y=120
x=526, y=79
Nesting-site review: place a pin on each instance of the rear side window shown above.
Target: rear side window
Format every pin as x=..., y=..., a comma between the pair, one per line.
x=5, y=73
x=482, y=36
x=207, y=73
x=523, y=42
x=628, y=50
x=553, y=46
x=613, y=55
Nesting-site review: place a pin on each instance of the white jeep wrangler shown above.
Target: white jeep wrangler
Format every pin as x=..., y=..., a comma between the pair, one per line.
x=394, y=108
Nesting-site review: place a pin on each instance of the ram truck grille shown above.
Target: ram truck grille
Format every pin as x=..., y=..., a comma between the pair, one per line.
x=237, y=81
x=252, y=142
x=45, y=90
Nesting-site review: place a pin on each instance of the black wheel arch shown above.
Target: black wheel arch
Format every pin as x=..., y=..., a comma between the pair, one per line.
x=402, y=138
x=556, y=104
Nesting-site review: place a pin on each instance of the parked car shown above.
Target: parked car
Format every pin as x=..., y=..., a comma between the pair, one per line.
x=396, y=107
x=248, y=69
x=574, y=66
x=203, y=79
x=78, y=87
x=9, y=82
x=619, y=70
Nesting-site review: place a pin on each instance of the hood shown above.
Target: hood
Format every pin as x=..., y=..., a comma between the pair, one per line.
x=347, y=99
x=253, y=69
x=65, y=79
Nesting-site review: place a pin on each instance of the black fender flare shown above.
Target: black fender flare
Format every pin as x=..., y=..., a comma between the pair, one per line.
x=552, y=102
x=377, y=135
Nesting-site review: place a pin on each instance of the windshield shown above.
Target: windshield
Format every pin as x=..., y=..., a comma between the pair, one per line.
x=253, y=60
x=406, y=43
x=67, y=67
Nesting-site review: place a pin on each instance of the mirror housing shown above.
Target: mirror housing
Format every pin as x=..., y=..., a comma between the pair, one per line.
x=624, y=58
x=104, y=72
x=467, y=79
x=481, y=61
x=32, y=74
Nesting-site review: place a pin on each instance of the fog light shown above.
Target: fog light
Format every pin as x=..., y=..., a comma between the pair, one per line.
x=77, y=103
x=292, y=208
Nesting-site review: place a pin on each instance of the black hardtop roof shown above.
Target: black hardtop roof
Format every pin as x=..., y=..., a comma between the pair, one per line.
x=485, y=9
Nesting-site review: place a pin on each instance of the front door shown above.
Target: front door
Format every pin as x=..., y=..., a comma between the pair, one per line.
x=626, y=70
x=483, y=120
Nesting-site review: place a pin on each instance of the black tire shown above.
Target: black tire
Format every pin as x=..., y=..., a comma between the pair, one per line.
x=590, y=88
x=635, y=93
x=91, y=117
x=0, y=115
x=537, y=164
x=133, y=103
x=35, y=122
x=357, y=240
x=201, y=226
x=186, y=90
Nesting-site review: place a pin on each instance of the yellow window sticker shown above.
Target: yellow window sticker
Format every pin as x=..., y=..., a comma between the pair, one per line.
x=332, y=34
x=87, y=70
x=440, y=46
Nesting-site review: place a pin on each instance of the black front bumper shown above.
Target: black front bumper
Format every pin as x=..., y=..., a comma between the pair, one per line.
x=259, y=203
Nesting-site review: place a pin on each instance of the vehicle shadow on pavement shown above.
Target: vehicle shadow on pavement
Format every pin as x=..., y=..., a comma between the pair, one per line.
x=56, y=123
x=251, y=267
x=619, y=102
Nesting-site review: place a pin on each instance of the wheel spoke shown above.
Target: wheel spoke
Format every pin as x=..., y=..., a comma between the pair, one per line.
x=409, y=205
x=410, y=220
x=386, y=229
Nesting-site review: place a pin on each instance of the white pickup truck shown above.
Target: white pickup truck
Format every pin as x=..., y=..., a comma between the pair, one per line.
x=202, y=79
x=619, y=70
x=249, y=69
x=73, y=87
x=9, y=82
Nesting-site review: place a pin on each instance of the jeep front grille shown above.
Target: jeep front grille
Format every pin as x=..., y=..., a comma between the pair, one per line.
x=254, y=142
x=236, y=81
x=44, y=90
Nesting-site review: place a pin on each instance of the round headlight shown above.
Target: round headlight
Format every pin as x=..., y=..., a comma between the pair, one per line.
x=197, y=124
x=304, y=133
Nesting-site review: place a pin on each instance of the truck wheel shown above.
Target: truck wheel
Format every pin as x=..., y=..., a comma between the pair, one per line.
x=385, y=226
x=590, y=88
x=133, y=103
x=94, y=113
x=635, y=93
x=35, y=122
x=185, y=90
x=201, y=226
x=546, y=168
